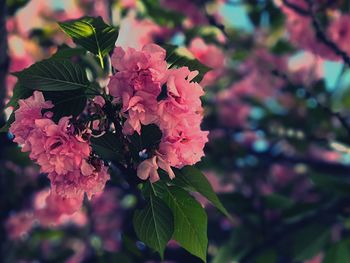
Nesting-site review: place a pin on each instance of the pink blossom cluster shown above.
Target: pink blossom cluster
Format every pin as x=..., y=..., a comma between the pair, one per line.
x=211, y=56
x=48, y=209
x=150, y=93
x=257, y=82
x=63, y=155
x=108, y=218
x=302, y=33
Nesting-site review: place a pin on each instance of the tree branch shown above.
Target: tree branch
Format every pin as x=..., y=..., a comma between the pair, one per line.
x=325, y=108
x=4, y=63
x=328, y=214
x=4, y=60
x=323, y=37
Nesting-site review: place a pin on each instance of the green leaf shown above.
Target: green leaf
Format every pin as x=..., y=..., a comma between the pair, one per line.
x=190, y=219
x=182, y=57
x=338, y=253
x=7, y=125
x=161, y=15
x=282, y=47
x=299, y=210
x=108, y=147
x=66, y=103
x=269, y=256
x=154, y=224
x=277, y=201
x=66, y=52
x=309, y=241
x=19, y=92
x=93, y=34
x=53, y=75
x=335, y=184
x=194, y=180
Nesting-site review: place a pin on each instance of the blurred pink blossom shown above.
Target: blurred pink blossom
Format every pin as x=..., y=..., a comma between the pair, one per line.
x=211, y=56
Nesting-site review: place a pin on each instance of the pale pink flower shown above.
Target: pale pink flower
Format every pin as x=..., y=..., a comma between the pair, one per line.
x=211, y=56
x=183, y=99
x=75, y=183
x=55, y=148
x=29, y=111
x=19, y=224
x=232, y=112
x=339, y=32
x=301, y=31
x=138, y=83
x=141, y=77
x=148, y=168
x=183, y=146
x=108, y=218
x=51, y=209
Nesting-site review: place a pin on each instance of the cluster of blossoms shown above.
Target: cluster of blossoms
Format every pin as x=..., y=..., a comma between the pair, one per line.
x=211, y=56
x=150, y=93
x=61, y=152
x=302, y=33
x=261, y=83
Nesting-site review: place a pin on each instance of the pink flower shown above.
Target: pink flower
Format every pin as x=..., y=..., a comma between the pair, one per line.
x=29, y=110
x=227, y=106
x=108, y=218
x=19, y=224
x=51, y=209
x=90, y=180
x=55, y=148
x=184, y=145
x=211, y=56
x=148, y=168
x=141, y=77
x=183, y=99
x=301, y=31
x=339, y=32
x=138, y=83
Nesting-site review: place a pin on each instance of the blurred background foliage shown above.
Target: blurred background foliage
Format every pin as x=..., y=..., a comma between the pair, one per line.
x=278, y=154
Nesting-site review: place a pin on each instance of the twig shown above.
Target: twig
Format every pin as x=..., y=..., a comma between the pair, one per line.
x=4, y=60
x=4, y=63
x=325, y=108
x=328, y=214
x=212, y=21
x=323, y=37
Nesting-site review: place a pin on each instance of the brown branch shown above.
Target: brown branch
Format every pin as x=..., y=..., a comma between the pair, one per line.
x=327, y=215
x=325, y=108
x=321, y=35
x=4, y=60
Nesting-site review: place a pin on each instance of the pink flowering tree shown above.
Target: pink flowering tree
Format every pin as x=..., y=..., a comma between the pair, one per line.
x=184, y=131
x=140, y=114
